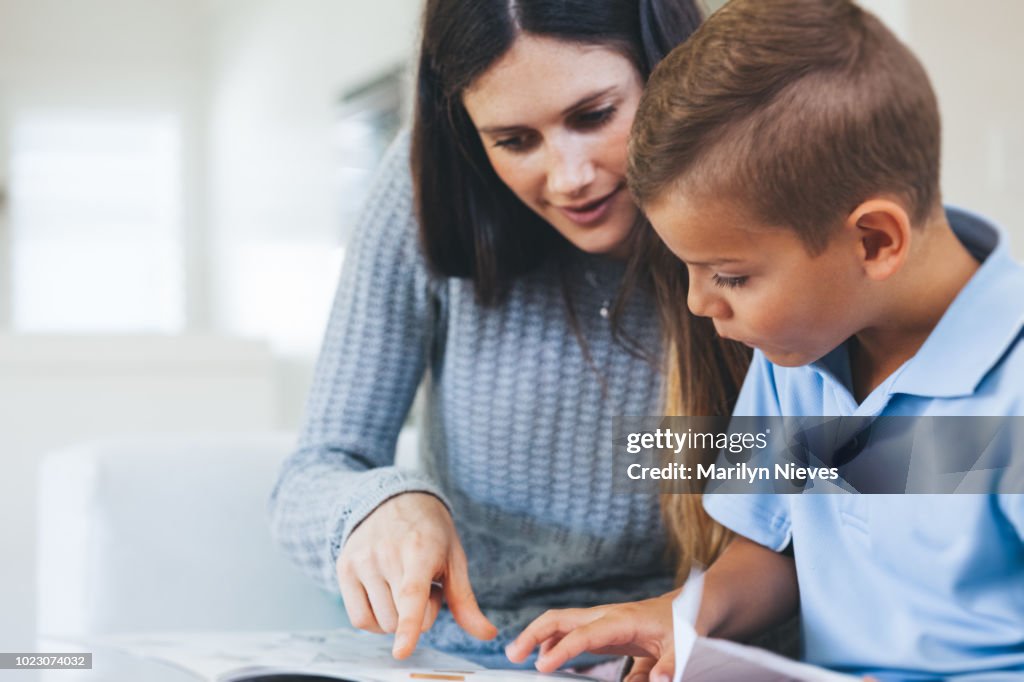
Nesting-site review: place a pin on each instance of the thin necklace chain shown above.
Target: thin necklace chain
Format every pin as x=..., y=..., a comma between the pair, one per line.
x=605, y=309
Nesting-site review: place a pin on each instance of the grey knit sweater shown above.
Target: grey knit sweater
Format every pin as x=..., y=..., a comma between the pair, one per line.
x=517, y=426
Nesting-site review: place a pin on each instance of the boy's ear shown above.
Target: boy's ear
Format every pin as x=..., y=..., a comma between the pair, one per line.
x=882, y=230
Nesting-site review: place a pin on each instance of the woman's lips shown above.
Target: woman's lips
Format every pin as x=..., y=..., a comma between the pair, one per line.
x=593, y=212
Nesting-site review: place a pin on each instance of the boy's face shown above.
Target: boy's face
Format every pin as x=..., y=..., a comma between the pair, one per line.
x=759, y=284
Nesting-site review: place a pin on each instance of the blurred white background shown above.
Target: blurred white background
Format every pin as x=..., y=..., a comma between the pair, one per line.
x=174, y=176
x=177, y=178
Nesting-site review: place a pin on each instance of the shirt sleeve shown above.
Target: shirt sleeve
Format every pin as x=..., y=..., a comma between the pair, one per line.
x=372, y=360
x=762, y=518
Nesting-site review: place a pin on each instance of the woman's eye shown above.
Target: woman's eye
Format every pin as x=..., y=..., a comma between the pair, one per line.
x=595, y=118
x=514, y=143
x=729, y=282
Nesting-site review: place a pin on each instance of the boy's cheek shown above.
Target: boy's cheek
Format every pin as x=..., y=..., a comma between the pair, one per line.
x=762, y=322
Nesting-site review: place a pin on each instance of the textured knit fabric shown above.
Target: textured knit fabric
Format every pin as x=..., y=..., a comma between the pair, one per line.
x=517, y=426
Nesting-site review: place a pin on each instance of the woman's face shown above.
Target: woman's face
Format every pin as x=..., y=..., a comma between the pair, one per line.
x=554, y=117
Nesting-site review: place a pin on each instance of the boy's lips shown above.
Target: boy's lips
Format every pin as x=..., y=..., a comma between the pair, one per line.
x=748, y=344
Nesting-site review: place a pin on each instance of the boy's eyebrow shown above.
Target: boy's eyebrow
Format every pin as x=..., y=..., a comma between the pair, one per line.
x=578, y=104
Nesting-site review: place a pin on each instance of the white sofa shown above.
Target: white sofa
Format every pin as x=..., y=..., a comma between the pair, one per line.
x=169, y=534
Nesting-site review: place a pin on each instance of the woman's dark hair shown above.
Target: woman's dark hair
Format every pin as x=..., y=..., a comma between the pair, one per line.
x=471, y=224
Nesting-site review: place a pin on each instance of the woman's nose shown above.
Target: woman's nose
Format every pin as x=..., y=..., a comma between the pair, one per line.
x=570, y=170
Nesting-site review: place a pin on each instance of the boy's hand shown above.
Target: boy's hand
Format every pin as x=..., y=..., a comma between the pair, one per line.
x=642, y=629
x=641, y=669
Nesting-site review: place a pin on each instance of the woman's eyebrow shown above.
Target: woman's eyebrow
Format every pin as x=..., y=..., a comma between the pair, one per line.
x=584, y=101
x=714, y=261
x=578, y=104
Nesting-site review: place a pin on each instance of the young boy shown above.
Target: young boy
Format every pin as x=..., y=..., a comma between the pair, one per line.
x=788, y=153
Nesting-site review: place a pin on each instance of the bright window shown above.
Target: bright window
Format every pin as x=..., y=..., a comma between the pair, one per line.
x=96, y=238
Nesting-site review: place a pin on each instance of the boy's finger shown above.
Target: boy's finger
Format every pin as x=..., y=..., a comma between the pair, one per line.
x=544, y=627
x=603, y=633
x=641, y=670
x=412, y=600
x=665, y=668
x=548, y=644
x=462, y=602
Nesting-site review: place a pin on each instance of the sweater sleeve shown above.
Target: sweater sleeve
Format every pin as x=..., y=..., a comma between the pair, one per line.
x=372, y=360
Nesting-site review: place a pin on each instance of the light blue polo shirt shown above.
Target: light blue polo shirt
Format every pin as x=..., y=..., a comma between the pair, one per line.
x=908, y=586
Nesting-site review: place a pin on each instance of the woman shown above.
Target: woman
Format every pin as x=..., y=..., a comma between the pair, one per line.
x=490, y=272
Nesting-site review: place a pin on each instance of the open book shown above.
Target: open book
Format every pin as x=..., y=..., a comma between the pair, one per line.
x=307, y=656
x=702, y=659
x=362, y=657
x=717, y=660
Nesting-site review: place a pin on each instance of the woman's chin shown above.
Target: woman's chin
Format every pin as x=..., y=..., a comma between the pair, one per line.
x=601, y=242
x=608, y=238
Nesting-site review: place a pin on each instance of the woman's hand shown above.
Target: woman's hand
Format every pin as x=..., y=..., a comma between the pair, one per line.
x=641, y=629
x=396, y=566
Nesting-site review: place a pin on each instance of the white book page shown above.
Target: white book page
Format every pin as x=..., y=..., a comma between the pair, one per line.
x=701, y=659
x=717, y=660
x=213, y=655
x=361, y=674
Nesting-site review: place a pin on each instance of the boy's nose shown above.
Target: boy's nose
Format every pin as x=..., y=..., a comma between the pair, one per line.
x=703, y=303
x=697, y=301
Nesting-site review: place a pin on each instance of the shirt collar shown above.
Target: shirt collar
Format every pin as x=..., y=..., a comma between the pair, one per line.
x=981, y=323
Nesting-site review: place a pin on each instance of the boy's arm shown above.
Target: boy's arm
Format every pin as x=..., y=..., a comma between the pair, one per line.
x=748, y=589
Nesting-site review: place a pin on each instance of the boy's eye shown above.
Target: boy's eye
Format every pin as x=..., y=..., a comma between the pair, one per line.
x=729, y=282
x=593, y=119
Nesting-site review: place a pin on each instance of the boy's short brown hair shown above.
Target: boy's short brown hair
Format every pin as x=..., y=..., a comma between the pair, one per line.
x=801, y=108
